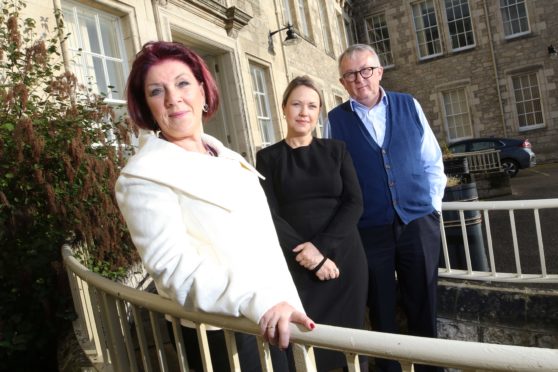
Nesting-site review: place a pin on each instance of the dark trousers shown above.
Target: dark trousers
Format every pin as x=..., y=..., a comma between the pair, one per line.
x=246, y=346
x=411, y=251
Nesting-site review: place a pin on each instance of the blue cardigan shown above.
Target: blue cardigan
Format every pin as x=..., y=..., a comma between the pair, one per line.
x=392, y=177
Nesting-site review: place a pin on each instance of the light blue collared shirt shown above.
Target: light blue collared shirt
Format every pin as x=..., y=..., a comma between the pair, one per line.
x=374, y=120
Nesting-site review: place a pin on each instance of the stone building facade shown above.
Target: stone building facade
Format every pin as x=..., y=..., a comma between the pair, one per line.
x=233, y=36
x=479, y=68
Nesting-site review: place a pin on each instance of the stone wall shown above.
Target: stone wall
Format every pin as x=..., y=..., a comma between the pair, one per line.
x=498, y=313
x=492, y=184
x=484, y=70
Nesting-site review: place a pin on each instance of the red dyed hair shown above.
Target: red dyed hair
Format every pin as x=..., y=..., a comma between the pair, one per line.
x=155, y=52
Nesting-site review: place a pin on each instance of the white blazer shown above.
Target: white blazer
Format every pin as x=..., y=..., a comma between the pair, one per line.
x=203, y=229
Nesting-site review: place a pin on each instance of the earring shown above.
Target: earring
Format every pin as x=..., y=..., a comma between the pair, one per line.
x=205, y=107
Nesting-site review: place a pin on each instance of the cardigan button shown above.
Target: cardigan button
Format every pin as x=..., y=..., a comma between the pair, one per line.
x=391, y=183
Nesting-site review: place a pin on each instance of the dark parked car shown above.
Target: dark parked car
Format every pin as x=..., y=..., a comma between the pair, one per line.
x=515, y=154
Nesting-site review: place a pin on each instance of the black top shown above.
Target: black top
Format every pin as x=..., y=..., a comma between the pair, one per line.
x=314, y=195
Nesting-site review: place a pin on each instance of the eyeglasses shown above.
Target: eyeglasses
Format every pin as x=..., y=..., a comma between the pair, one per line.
x=352, y=75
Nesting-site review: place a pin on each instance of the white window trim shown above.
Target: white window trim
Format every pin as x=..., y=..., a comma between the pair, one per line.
x=519, y=34
x=537, y=72
x=367, y=31
x=73, y=7
x=449, y=43
x=445, y=114
x=267, y=102
x=305, y=28
x=326, y=29
x=288, y=12
x=436, y=10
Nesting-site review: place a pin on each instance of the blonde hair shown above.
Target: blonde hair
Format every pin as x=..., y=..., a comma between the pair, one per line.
x=297, y=82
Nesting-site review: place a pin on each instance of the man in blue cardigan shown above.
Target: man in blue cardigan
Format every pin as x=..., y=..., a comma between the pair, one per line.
x=401, y=174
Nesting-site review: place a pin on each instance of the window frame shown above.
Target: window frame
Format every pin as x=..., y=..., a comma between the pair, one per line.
x=326, y=29
x=368, y=31
x=449, y=33
x=288, y=12
x=416, y=31
x=305, y=25
x=75, y=9
x=517, y=34
x=265, y=94
x=446, y=115
x=536, y=74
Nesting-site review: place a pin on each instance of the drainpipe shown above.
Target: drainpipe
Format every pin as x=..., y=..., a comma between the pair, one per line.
x=278, y=20
x=63, y=43
x=279, y=25
x=493, y=55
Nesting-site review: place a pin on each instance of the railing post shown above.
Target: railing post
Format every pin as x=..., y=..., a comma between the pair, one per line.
x=265, y=355
x=234, y=360
x=406, y=366
x=304, y=358
x=353, y=362
x=115, y=342
x=201, y=329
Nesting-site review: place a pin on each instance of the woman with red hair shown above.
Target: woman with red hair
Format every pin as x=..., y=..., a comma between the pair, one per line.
x=196, y=211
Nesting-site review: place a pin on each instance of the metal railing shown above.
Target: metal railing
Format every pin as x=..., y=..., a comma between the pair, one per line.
x=113, y=333
x=512, y=215
x=482, y=161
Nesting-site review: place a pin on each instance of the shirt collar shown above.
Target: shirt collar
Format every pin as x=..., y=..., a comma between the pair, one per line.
x=356, y=105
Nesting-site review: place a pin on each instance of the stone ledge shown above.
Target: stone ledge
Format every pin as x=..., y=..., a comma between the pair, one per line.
x=498, y=313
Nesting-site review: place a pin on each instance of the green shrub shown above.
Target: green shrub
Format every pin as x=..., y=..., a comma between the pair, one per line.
x=61, y=149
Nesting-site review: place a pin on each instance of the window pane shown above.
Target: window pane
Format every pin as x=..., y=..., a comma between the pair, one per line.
x=514, y=16
x=303, y=18
x=95, y=45
x=261, y=98
x=456, y=111
x=110, y=42
x=288, y=13
x=88, y=33
x=116, y=79
x=378, y=38
x=527, y=100
x=325, y=25
x=426, y=29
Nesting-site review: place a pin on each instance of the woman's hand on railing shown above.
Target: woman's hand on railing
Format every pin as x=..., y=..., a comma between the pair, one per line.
x=274, y=324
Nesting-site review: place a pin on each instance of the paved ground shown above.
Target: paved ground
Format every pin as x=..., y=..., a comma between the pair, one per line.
x=540, y=182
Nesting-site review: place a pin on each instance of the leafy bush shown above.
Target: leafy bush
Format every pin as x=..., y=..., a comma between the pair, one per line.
x=60, y=152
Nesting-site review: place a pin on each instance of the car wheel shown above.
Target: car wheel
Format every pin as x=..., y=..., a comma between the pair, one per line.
x=511, y=167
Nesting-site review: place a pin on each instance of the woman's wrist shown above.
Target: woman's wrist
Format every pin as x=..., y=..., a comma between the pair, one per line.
x=319, y=266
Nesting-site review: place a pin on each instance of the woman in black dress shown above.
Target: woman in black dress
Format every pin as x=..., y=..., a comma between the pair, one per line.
x=315, y=198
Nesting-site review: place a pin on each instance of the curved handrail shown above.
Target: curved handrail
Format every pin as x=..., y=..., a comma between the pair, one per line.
x=501, y=204
x=406, y=349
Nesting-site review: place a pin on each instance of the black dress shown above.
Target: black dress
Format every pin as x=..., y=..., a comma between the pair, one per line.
x=314, y=196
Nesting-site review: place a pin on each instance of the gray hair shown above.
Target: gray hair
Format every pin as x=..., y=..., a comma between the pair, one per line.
x=356, y=48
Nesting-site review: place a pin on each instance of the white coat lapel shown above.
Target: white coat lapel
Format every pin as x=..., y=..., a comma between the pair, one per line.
x=198, y=175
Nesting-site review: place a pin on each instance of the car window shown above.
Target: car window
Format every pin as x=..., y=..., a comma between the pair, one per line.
x=458, y=148
x=482, y=145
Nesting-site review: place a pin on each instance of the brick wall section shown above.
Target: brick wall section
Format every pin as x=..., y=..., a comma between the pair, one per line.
x=475, y=68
